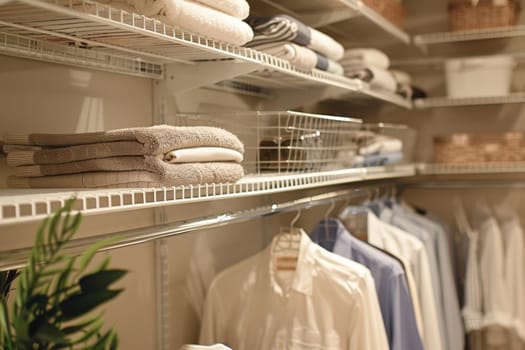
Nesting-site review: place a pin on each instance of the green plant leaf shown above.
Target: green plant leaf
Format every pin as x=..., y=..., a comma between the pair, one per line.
x=79, y=304
x=81, y=326
x=5, y=327
x=102, y=341
x=88, y=255
x=48, y=332
x=89, y=333
x=114, y=342
x=100, y=280
x=37, y=301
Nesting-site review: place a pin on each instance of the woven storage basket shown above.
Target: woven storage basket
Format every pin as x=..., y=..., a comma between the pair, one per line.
x=465, y=16
x=480, y=148
x=392, y=10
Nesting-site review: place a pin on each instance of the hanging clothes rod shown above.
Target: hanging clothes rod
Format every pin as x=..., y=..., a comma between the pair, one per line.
x=17, y=258
x=463, y=184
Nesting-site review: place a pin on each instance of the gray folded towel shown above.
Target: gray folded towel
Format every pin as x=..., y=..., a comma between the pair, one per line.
x=173, y=175
x=155, y=140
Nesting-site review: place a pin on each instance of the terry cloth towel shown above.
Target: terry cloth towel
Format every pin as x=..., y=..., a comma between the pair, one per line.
x=362, y=58
x=285, y=28
x=155, y=164
x=298, y=56
x=328, y=65
x=377, y=77
x=202, y=155
x=197, y=18
x=154, y=140
x=173, y=175
x=237, y=8
x=401, y=77
x=381, y=144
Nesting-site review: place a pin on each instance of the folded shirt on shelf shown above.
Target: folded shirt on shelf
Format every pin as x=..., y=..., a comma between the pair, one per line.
x=378, y=159
x=161, y=155
x=219, y=20
x=285, y=28
x=381, y=144
x=362, y=58
x=300, y=56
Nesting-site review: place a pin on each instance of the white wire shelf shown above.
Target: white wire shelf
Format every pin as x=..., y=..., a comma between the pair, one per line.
x=423, y=40
x=324, y=12
x=470, y=168
x=436, y=102
x=19, y=206
x=106, y=30
x=23, y=47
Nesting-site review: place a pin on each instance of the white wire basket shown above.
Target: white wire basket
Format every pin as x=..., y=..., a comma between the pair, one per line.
x=287, y=142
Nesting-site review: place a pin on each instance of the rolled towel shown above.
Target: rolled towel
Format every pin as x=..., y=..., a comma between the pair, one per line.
x=285, y=28
x=154, y=140
x=378, y=159
x=328, y=65
x=299, y=56
x=364, y=58
x=237, y=8
x=173, y=175
x=197, y=18
x=202, y=155
x=377, y=77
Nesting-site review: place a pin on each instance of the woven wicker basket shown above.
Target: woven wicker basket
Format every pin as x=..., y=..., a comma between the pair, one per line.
x=465, y=16
x=392, y=10
x=480, y=148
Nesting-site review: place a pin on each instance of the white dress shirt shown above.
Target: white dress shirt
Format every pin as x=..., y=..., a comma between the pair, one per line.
x=514, y=263
x=328, y=303
x=410, y=249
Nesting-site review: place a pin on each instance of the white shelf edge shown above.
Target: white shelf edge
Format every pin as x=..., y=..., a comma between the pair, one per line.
x=19, y=46
x=19, y=206
x=436, y=102
x=470, y=168
x=468, y=35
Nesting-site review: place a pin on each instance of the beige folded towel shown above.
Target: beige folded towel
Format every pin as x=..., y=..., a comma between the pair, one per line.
x=155, y=140
x=175, y=175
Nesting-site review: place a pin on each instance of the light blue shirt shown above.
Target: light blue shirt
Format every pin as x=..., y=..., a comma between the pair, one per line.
x=454, y=327
x=389, y=277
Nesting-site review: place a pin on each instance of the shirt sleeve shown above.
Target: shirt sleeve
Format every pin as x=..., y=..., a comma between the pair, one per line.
x=212, y=326
x=367, y=328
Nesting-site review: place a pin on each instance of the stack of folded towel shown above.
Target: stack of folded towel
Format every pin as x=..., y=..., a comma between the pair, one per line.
x=405, y=87
x=220, y=20
x=378, y=150
x=154, y=156
x=369, y=65
x=304, y=47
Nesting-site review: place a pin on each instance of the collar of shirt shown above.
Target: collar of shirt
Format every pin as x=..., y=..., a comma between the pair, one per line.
x=332, y=235
x=302, y=280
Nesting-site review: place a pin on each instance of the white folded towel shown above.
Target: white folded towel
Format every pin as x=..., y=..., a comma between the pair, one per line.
x=377, y=78
x=203, y=155
x=197, y=18
x=237, y=8
x=325, y=45
x=299, y=56
x=361, y=58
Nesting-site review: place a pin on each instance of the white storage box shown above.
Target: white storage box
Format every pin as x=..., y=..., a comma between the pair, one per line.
x=479, y=77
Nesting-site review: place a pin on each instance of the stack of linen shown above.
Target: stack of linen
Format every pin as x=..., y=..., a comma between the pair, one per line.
x=154, y=156
x=220, y=20
x=405, y=87
x=304, y=47
x=369, y=65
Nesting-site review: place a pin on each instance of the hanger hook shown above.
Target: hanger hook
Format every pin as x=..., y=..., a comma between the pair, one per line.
x=295, y=219
x=330, y=208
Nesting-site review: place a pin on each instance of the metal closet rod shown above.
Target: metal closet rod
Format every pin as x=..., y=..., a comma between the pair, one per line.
x=17, y=258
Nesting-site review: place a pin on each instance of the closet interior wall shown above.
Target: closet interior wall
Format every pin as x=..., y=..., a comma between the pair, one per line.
x=46, y=97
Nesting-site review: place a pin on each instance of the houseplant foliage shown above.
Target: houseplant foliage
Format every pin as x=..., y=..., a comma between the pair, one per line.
x=56, y=295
